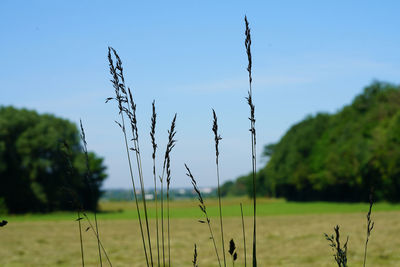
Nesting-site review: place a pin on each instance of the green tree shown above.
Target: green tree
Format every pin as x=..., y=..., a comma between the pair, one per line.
x=35, y=173
x=341, y=156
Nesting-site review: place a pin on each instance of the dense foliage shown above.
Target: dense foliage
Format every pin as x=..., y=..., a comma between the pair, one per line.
x=340, y=157
x=38, y=173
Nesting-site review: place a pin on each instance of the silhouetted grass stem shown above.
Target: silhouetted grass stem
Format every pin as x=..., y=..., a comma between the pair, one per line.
x=253, y=136
x=217, y=138
x=244, y=236
x=202, y=207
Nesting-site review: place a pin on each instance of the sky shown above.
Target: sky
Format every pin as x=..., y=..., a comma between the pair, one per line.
x=189, y=56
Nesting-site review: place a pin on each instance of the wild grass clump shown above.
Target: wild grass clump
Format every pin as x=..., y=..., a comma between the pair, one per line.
x=340, y=255
x=127, y=112
x=121, y=97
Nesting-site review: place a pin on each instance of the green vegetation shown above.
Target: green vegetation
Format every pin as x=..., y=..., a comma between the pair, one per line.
x=289, y=234
x=189, y=209
x=338, y=157
x=42, y=166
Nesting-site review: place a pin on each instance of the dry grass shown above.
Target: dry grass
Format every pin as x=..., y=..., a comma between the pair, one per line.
x=287, y=240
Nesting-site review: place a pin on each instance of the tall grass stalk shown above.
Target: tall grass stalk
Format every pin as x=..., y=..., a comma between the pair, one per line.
x=168, y=231
x=88, y=175
x=370, y=226
x=70, y=170
x=253, y=135
x=244, y=236
x=131, y=112
x=217, y=138
x=204, y=210
x=80, y=238
x=153, y=142
x=166, y=164
x=97, y=237
x=122, y=100
x=162, y=218
x=167, y=169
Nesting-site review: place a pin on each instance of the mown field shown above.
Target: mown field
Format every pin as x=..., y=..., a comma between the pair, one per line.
x=289, y=234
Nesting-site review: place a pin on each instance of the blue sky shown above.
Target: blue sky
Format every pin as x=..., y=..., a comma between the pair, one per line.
x=308, y=56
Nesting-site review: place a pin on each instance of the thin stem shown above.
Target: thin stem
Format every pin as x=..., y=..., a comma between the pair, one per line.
x=166, y=169
x=169, y=240
x=370, y=226
x=80, y=237
x=153, y=141
x=131, y=113
x=213, y=239
x=217, y=138
x=70, y=171
x=244, y=236
x=253, y=135
x=134, y=190
x=122, y=100
x=203, y=209
x=88, y=181
x=98, y=239
x=139, y=166
x=162, y=220
x=155, y=196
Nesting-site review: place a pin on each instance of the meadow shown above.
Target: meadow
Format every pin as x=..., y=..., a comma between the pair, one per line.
x=289, y=234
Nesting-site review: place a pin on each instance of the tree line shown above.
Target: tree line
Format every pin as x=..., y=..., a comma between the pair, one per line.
x=336, y=157
x=42, y=165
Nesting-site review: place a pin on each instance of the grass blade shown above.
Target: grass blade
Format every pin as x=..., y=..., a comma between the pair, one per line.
x=217, y=138
x=166, y=168
x=244, y=236
x=153, y=142
x=253, y=136
x=340, y=255
x=195, y=256
x=122, y=99
x=88, y=181
x=80, y=238
x=97, y=237
x=203, y=209
x=370, y=226
x=131, y=113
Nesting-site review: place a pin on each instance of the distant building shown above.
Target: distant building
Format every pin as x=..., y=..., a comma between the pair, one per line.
x=149, y=196
x=206, y=190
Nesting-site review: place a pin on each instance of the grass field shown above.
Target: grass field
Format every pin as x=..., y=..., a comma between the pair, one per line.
x=289, y=234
